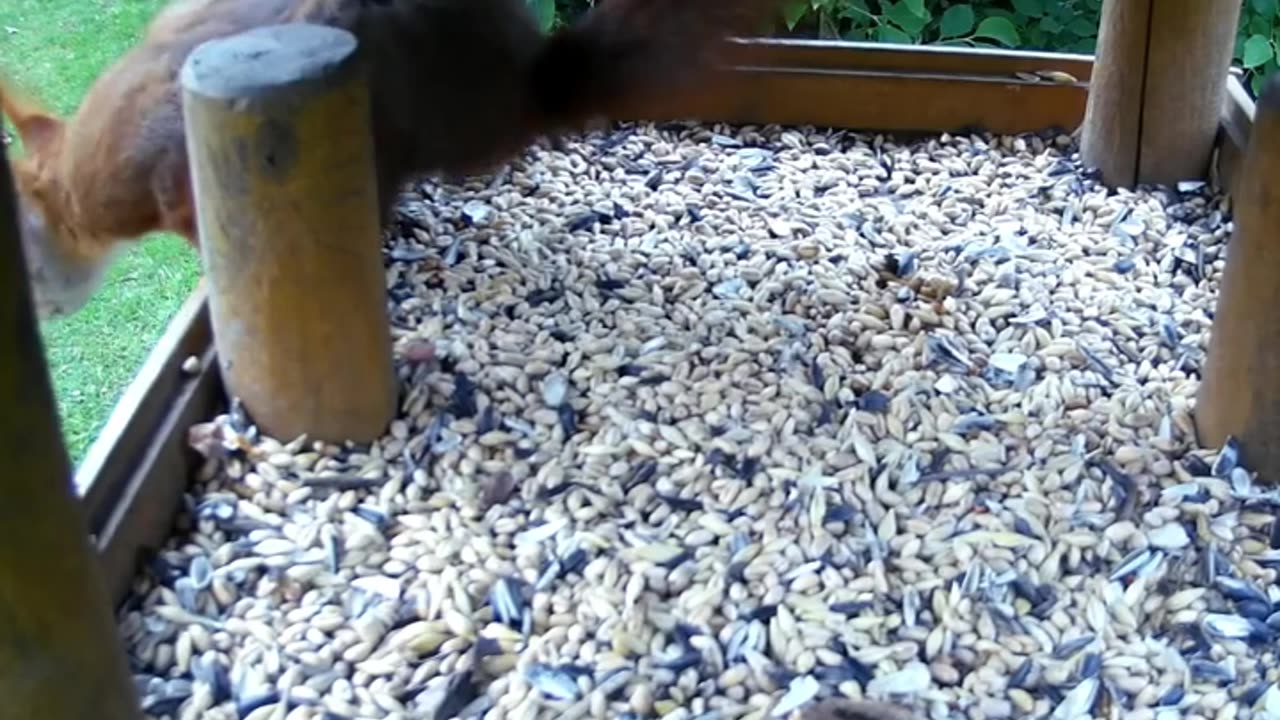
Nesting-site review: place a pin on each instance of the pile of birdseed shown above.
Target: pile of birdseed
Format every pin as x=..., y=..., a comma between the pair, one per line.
x=717, y=423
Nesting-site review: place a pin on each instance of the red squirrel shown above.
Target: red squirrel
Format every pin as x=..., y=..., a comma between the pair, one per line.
x=457, y=87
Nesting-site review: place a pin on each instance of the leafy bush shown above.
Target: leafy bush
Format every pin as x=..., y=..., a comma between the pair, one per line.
x=1257, y=40
x=551, y=12
x=1049, y=25
x=1060, y=25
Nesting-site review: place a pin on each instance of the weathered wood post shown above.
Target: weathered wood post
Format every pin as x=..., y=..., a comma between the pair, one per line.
x=1240, y=389
x=1156, y=92
x=280, y=145
x=61, y=657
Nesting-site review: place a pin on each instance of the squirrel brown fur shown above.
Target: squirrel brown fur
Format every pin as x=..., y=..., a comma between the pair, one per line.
x=457, y=87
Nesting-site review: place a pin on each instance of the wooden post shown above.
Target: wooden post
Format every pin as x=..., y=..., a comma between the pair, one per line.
x=280, y=146
x=61, y=657
x=1113, y=112
x=1240, y=390
x=1156, y=92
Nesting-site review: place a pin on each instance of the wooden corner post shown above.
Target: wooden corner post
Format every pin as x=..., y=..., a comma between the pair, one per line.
x=1239, y=392
x=61, y=656
x=1156, y=92
x=281, y=151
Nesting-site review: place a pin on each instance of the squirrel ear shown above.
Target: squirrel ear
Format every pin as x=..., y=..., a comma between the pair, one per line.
x=35, y=126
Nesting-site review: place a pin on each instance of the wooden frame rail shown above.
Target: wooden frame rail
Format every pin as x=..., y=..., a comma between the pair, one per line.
x=132, y=478
x=899, y=89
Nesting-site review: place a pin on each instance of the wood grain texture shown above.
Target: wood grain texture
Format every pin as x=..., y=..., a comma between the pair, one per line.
x=782, y=53
x=1240, y=390
x=1110, y=136
x=61, y=657
x=1155, y=97
x=887, y=101
x=1190, y=52
x=278, y=131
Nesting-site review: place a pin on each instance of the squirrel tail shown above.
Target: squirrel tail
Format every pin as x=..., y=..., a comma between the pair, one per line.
x=623, y=56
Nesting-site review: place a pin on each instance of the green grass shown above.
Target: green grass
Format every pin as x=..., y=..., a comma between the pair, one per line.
x=55, y=48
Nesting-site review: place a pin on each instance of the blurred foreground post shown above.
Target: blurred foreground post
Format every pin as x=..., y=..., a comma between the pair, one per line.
x=61, y=656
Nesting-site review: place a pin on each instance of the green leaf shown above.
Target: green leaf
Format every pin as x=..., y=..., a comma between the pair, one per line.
x=957, y=20
x=998, y=29
x=1257, y=51
x=1083, y=28
x=1030, y=8
x=1001, y=12
x=545, y=12
x=1051, y=25
x=828, y=29
x=1256, y=82
x=1265, y=8
x=854, y=8
x=917, y=8
x=910, y=23
x=793, y=12
x=890, y=34
x=857, y=14
x=1063, y=16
